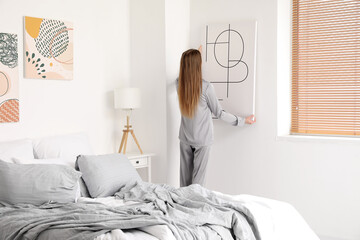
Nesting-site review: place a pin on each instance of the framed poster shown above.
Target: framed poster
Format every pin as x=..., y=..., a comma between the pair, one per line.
x=229, y=63
x=9, y=78
x=48, y=49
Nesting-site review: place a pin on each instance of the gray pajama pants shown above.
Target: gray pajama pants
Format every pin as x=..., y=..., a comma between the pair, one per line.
x=193, y=163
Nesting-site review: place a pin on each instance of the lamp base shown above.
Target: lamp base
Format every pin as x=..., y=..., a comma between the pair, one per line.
x=124, y=138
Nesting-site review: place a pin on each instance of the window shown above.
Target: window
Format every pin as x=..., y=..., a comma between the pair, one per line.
x=326, y=67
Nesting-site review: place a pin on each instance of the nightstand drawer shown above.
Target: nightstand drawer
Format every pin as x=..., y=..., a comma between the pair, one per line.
x=139, y=162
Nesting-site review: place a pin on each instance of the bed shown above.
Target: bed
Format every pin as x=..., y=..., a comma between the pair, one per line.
x=276, y=221
x=49, y=195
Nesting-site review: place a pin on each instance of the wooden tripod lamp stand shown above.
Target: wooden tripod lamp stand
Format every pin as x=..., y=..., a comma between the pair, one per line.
x=127, y=99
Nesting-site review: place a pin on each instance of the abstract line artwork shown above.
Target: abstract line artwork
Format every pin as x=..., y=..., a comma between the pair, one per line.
x=229, y=54
x=9, y=78
x=48, y=48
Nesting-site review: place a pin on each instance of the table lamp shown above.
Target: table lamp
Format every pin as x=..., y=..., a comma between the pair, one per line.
x=127, y=99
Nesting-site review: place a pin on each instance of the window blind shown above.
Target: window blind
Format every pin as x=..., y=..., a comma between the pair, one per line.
x=326, y=67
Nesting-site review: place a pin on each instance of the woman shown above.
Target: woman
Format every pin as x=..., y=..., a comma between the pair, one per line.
x=197, y=100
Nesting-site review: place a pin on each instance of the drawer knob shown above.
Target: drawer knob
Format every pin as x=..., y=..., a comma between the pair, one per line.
x=137, y=162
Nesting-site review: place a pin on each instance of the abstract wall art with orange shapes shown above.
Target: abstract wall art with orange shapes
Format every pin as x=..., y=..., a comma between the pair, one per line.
x=48, y=49
x=9, y=78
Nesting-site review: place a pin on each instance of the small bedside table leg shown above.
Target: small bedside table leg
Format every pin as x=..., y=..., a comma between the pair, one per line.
x=149, y=170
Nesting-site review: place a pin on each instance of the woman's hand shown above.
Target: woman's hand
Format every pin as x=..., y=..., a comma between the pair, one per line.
x=250, y=119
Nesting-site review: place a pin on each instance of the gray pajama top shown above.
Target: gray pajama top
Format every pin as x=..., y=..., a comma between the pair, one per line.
x=198, y=131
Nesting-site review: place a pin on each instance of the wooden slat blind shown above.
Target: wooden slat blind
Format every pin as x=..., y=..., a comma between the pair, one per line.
x=326, y=67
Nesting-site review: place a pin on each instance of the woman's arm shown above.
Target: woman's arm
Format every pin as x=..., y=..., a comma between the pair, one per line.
x=218, y=112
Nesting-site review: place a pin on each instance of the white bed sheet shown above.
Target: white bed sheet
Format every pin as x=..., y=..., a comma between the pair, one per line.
x=276, y=220
x=161, y=232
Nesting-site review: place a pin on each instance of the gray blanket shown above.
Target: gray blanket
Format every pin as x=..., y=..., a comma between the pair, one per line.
x=191, y=213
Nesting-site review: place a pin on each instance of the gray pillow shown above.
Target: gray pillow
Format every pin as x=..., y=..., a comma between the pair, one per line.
x=104, y=175
x=37, y=183
x=84, y=192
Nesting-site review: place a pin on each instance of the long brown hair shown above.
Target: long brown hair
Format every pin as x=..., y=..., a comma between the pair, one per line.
x=190, y=82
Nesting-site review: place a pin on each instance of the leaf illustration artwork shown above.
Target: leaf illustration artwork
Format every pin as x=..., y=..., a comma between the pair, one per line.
x=48, y=49
x=9, y=78
x=40, y=70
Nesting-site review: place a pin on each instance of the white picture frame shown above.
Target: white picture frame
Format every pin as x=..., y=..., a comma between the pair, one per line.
x=229, y=63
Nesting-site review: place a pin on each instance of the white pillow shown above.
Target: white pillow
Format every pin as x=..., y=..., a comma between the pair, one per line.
x=59, y=161
x=19, y=149
x=71, y=145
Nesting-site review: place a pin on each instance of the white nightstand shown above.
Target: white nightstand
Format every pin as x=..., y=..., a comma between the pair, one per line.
x=141, y=161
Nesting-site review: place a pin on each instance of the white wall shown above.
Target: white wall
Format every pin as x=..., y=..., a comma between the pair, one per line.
x=320, y=178
x=177, y=21
x=159, y=33
x=101, y=63
x=284, y=39
x=147, y=36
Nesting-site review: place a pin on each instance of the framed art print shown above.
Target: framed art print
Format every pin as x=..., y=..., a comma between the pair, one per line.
x=48, y=49
x=9, y=78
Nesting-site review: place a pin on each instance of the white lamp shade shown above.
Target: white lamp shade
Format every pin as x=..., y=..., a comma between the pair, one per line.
x=127, y=98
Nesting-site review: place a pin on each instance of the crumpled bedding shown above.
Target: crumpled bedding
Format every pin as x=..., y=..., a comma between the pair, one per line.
x=190, y=213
